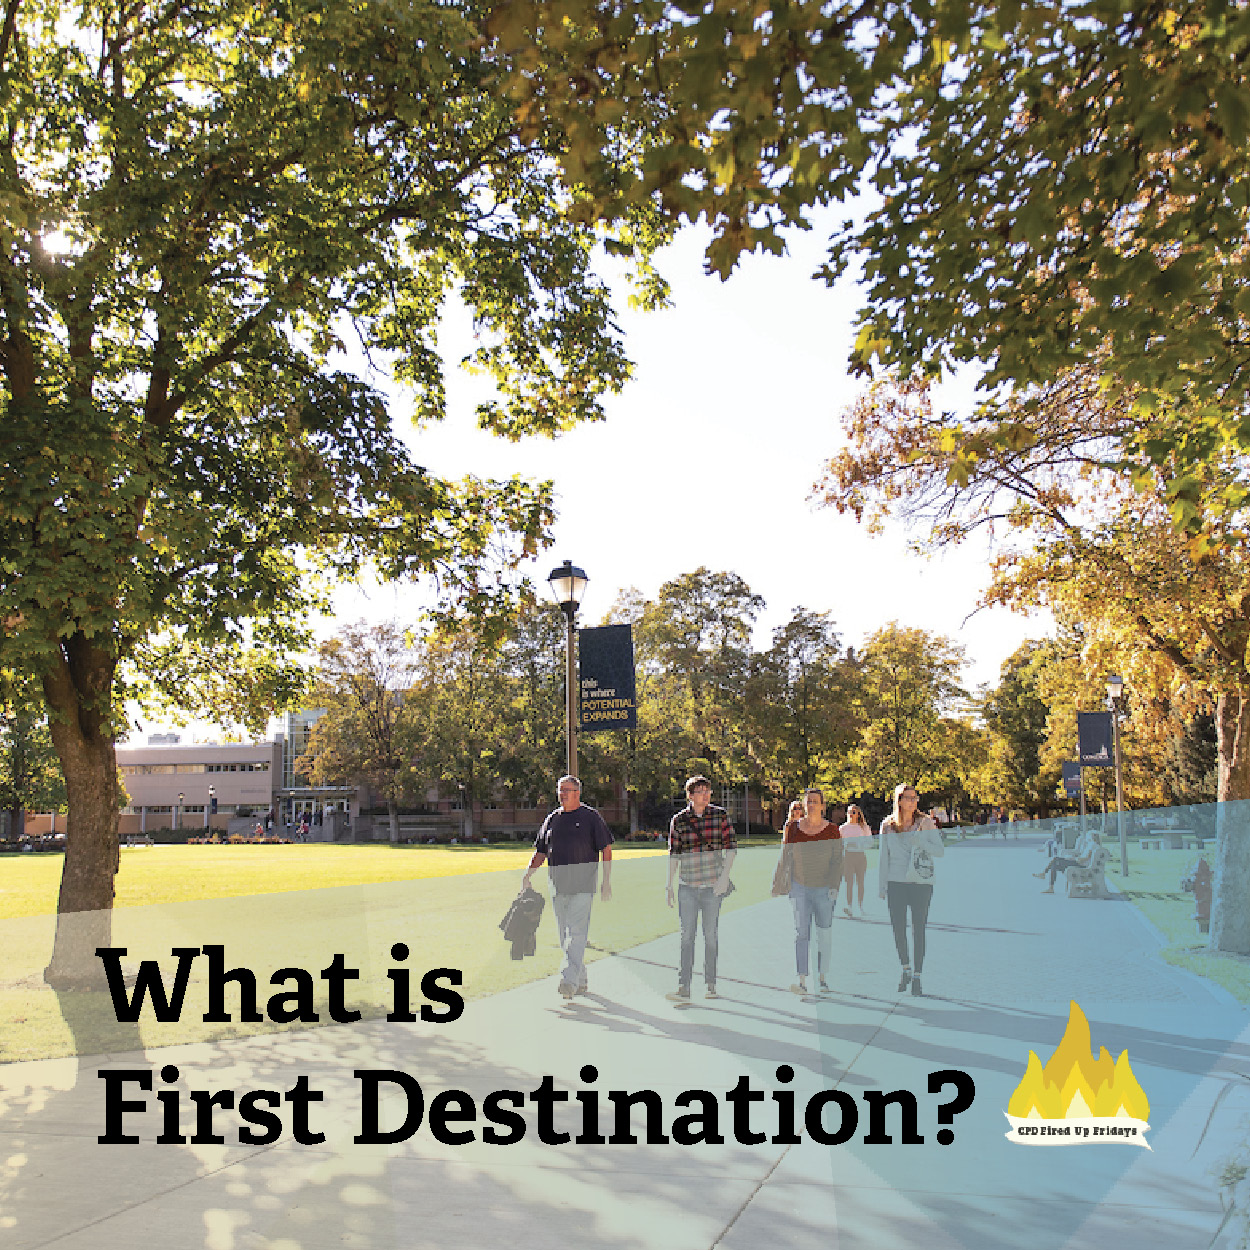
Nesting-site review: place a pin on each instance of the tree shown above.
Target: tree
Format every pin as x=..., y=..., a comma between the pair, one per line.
x=1054, y=184
x=961, y=758
x=530, y=674
x=1016, y=716
x=463, y=700
x=1066, y=187
x=1094, y=541
x=753, y=112
x=373, y=728
x=667, y=746
x=910, y=681
x=801, y=706
x=699, y=632
x=1191, y=766
x=202, y=206
x=30, y=776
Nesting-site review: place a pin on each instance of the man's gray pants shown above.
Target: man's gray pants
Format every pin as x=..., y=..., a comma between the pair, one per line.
x=694, y=901
x=573, y=918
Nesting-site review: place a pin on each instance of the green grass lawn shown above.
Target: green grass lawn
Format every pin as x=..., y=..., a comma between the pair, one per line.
x=281, y=907
x=1153, y=884
x=178, y=874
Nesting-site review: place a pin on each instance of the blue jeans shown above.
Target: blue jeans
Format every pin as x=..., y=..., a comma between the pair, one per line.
x=573, y=920
x=694, y=901
x=812, y=903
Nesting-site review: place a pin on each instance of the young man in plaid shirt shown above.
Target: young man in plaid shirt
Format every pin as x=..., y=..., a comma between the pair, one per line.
x=701, y=843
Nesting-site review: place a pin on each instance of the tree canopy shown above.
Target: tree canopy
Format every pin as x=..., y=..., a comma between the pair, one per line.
x=30, y=776
x=372, y=730
x=1042, y=186
x=203, y=208
x=1085, y=530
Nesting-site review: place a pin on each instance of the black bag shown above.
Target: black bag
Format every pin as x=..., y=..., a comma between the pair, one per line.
x=520, y=924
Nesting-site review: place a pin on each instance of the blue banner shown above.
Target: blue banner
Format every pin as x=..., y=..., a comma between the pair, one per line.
x=608, y=697
x=1095, y=746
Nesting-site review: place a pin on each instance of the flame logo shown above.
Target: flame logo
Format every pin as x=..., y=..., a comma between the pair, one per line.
x=1077, y=1097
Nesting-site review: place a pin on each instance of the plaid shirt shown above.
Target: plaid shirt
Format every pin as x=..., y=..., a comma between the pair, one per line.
x=701, y=842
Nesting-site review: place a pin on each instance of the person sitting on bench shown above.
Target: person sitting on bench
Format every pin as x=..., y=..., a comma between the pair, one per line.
x=1082, y=853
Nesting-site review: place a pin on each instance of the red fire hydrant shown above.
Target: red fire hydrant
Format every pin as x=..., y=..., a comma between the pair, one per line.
x=1198, y=883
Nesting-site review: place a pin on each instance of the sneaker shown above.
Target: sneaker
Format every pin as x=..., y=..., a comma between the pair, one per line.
x=1040, y=875
x=583, y=987
x=567, y=990
x=680, y=995
x=801, y=987
x=846, y=911
x=916, y=991
x=904, y=980
x=1050, y=889
x=861, y=911
x=711, y=992
x=824, y=986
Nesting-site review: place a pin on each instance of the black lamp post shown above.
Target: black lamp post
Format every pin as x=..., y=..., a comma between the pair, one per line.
x=178, y=815
x=208, y=807
x=1119, y=702
x=568, y=583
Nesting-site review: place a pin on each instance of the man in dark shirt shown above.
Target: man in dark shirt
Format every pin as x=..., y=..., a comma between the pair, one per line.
x=570, y=842
x=701, y=841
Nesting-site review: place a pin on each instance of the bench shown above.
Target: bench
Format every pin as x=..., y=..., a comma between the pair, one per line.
x=1176, y=837
x=138, y=839
x=1151, y=844
x=1088, y=882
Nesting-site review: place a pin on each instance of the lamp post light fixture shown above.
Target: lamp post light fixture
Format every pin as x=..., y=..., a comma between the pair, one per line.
x=178, y=810
x=208, y=807
x=568, y=584
x=1118, y=701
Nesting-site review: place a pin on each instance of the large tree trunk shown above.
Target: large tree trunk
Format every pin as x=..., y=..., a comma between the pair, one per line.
x=1230, y=908
x=79, y=697
x=392, y=815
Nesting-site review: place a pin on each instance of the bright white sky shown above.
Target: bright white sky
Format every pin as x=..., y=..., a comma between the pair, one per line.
x=708, y=458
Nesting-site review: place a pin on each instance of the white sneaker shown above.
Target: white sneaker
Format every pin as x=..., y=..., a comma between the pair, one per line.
x=800, y=988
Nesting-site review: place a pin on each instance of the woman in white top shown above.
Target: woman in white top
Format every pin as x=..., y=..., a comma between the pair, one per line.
x=855, y=854
x=910, y=842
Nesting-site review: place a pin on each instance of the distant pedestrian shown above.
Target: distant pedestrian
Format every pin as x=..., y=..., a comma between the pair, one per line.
x=815, y=847
x=910, y=842
x=701, y=844
x=570, y=842
x=855, y=854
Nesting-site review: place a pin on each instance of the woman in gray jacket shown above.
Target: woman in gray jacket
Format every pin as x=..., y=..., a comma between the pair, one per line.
x=910, y=842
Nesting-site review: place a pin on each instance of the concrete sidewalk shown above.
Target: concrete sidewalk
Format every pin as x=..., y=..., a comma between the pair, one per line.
x=1003, y=963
